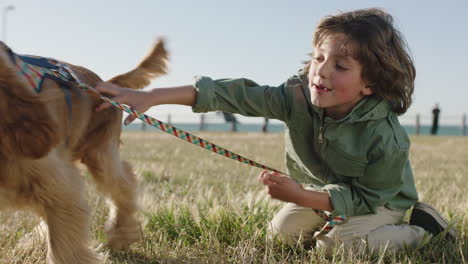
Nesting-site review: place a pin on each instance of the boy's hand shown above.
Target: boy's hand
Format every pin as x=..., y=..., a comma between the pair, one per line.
x=281, y=187
x=133, y=98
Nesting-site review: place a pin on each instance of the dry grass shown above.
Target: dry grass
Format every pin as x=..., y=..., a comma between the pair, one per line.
x=199, y=207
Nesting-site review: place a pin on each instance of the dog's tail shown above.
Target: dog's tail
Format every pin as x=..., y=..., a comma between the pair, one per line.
x=152, y=66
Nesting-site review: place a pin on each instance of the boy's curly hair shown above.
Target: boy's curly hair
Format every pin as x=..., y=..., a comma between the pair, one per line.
x=372, y=40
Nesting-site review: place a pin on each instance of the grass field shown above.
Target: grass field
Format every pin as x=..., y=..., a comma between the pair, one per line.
x=199, y=207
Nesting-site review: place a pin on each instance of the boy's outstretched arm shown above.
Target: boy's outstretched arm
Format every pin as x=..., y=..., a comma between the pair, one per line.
x=284, y=188
x=143, y=100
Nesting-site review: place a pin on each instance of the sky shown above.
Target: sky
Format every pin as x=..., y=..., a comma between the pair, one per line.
x=263, y=40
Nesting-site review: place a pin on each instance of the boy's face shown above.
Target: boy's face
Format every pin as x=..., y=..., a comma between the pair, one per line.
x=335, y=81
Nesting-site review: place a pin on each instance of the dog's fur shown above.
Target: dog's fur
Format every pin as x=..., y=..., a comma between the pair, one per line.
x=39, y=147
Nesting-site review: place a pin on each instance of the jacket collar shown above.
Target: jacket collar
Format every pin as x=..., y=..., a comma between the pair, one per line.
x=369, y=108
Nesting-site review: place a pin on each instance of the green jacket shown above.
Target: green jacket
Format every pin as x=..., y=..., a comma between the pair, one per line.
x=361, y=160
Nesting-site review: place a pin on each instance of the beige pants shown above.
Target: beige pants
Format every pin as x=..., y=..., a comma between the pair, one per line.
x=383, y=230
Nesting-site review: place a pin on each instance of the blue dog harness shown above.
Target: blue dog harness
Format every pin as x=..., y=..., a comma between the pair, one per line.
x=36, y=69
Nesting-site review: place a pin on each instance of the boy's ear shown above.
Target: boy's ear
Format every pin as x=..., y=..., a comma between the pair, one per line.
x=367, y=91
x=27, y=128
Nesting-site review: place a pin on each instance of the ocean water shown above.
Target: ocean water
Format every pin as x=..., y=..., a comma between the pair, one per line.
x=275, y=128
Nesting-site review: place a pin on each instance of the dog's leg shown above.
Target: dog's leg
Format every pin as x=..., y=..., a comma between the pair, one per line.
x=65, y=212
x=116, y=179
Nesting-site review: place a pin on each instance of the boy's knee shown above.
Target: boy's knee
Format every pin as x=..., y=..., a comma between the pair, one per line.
x=294, y=223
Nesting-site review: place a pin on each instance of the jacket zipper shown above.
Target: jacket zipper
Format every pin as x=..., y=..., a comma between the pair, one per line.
x=320, y=135
x=320, y=142
x=321, y=128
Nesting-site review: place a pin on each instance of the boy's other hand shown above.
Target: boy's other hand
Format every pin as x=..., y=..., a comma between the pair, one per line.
x=281, y=187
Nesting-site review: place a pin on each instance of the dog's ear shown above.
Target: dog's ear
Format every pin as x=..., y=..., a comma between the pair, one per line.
x=26, y=126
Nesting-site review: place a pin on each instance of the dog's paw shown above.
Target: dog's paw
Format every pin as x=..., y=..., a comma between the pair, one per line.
x=120, y=236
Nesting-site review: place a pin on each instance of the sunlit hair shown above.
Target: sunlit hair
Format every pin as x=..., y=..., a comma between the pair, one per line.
x=371, y=39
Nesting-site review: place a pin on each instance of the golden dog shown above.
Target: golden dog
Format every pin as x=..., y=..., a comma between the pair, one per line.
x=42, y=137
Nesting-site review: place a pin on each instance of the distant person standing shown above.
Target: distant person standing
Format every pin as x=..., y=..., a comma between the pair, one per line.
x=435, y=119
x=265, y=125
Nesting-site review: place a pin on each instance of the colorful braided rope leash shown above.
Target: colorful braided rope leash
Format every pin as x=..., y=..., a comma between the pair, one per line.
x=65, y=72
